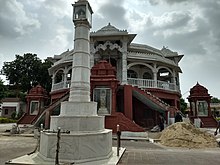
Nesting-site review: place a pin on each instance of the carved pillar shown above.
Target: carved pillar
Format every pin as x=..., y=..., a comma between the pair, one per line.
x=195, y=104
x=113, y=87
x=53, y=80
x=119, y=70
x=128, y=102
x=174, y=80
x=155, y=76
x=65, y=77
x=80, y=80
x=124, y=63
x=209, y=108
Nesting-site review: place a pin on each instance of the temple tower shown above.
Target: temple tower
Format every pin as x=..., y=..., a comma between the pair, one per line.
x=88, y=139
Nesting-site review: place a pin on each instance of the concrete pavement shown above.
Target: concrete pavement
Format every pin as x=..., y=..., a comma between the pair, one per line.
x=137, y=152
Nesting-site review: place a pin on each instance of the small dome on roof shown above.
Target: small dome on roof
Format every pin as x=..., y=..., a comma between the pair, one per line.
x=199, y=90
x=109, y=27
x=109, y=30
x=37, y=90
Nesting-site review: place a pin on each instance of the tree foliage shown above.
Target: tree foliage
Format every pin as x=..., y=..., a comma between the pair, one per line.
x=3, y=90
x=26, y=71
x=215, y=100
x=183, y=105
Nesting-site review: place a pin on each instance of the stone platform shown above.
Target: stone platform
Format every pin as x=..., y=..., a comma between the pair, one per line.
x=36, y=159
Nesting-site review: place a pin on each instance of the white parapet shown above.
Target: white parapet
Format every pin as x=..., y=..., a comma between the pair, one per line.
x=78, y=123
x=78, y=108
x=77, y=147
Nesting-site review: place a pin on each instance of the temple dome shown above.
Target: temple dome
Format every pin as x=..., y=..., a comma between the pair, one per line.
x=109, y=27
x=109, y=30
x=103, y=69
x=199, y=90
x=38, y=90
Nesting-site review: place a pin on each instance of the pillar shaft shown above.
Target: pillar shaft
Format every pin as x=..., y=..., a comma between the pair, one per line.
x=80, y=81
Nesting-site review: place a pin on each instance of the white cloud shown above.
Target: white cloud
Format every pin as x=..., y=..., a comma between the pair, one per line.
x=14, y=20
x=187, y=26
x=61, y=38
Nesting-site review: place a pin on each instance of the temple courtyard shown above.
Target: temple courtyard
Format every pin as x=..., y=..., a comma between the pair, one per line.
x=138, y=151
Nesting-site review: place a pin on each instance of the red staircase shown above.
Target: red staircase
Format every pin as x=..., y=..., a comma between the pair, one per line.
x=33, y=119
x=126, y=124
x=153, y=98
x=50, y=108
x=26, y=119
x=208, y=122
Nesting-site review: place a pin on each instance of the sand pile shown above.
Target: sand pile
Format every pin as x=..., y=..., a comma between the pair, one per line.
x=184, y=134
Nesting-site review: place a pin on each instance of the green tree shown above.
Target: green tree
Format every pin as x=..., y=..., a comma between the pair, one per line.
x=3, y=90
x=183, y=105
x=43, y=76
x=26, y=71
x=215, y=100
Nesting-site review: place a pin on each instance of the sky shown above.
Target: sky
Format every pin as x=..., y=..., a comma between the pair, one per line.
x=189, y=27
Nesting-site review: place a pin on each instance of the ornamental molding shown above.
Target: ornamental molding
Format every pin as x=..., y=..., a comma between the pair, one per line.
x=149, y=56
x=106, y=45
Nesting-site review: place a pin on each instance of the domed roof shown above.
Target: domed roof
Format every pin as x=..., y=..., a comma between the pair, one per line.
x=37, y=90
x=199, y=90
x=109, y=27
x=103, y=69
x=109, y=30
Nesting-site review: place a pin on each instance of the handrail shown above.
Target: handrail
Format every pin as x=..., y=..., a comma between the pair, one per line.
x=149, y=83
x=141, y=83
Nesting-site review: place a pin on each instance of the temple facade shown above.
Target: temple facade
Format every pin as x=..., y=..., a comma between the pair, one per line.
x=132, y=83
x=139, y=81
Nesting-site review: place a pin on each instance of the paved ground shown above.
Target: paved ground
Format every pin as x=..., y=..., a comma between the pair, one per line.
x=15, y=146
x=144, y=153
x=137, y=152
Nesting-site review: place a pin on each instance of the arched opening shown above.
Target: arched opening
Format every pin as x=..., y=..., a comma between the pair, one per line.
x=59, y=76
x=132, y=74
x=164, y=75
x=147, y=75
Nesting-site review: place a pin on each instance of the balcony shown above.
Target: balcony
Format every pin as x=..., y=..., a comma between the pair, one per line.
x=148, y=83
x=60, y=85
x=141, y=83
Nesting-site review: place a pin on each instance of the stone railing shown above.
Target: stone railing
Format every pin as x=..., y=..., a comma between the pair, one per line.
x=141, y=83
x=148, y=83
x=61, y=85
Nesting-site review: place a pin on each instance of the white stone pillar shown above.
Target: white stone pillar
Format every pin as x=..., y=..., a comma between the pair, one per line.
x=174, y=80
x=65, y=78
x=53, y=81
x=80, y=81
x=124, y=63
x=155, y=76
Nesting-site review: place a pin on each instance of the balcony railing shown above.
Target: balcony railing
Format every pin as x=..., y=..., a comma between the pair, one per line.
x=61, y=85
x=148, y=83
x=141, y=83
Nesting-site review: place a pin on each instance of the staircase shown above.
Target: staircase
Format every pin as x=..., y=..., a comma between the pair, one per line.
x=144, y=94
x=26, y=119
x=208, y=122
x=126, y=124
x=34, y=119
x=38, y=118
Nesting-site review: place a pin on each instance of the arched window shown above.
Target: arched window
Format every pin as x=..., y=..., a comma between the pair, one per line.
x=147, y=75
x=131, y=74
x=59, y=76
x=164, y=75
